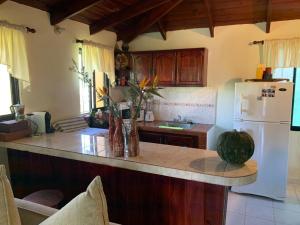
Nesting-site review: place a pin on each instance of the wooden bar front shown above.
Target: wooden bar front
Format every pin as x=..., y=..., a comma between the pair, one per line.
x=134, y=198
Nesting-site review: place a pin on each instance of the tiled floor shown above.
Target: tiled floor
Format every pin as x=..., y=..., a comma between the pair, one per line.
x=252, y=210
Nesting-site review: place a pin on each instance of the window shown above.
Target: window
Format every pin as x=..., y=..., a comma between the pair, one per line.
x=293, y=74
x=84, y=90
x=296, y=102
x=5, y=91
x=88, y=97
x=9, y=93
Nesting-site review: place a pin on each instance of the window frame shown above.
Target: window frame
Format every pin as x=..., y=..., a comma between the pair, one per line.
x=294, y=128
x=15, y=97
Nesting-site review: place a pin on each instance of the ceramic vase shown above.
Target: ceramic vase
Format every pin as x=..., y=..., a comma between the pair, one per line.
x=133, y=140
x=118, y=139
x=111, y=131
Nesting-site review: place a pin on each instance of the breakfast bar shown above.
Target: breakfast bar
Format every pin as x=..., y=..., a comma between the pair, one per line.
x=163, y=185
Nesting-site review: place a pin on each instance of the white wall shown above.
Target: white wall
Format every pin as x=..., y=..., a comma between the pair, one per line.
x=198, y=105
x=53, y=86
x=230, y=58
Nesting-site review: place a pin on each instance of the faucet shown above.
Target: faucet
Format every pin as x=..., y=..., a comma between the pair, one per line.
x=178, y=119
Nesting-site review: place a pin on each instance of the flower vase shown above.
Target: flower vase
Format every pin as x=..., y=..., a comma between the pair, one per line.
x=133, y=142
x=118, y=140
x=111, y=131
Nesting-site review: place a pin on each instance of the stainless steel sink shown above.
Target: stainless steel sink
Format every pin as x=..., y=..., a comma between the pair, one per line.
x=176, y=125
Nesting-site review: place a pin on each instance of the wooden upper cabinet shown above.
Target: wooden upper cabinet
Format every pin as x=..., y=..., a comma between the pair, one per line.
x=141, y=64
x=181, y=67
x=164, y=66
x=191, y=67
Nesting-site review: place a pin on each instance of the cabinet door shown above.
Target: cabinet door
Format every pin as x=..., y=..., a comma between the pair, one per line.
x=151, y=137
x=191, y=67
x=141, y=63
x=164, y=66
x=181, y=140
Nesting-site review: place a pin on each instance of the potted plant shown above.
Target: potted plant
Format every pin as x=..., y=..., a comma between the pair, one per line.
x=136, y=94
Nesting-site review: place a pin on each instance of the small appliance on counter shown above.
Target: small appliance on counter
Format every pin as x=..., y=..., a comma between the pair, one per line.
x=42, y=122
x=149, y=116
x=18, y=110
x=125, y=110
x=124, y=107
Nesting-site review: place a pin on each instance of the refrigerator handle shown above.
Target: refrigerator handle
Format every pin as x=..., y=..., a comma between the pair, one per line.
x=241, y=108
x=241, y=104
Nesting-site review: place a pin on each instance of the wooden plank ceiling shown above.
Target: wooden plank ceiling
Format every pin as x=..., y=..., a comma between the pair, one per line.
x=131, y=18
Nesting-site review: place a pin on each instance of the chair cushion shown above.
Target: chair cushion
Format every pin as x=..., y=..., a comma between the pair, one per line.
x=88, y=208
x=8, y=211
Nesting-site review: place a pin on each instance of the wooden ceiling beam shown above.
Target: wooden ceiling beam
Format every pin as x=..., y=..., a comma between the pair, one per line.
x=125, y=14
x=210, y=17
x=269, y=16
x=67, y=8
x=148, y=20
x=162, y=30
x=35, y=4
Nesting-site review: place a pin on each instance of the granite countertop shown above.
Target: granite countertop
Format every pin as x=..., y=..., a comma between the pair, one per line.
x=173, y=161
x=195, y=130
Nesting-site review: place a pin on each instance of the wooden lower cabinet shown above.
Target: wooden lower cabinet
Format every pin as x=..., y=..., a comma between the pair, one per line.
x=181, y=140
x=151, y=137
x=133, y=198
x=173, y=139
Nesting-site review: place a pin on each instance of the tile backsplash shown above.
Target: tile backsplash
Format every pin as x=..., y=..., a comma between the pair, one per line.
x=191, y=103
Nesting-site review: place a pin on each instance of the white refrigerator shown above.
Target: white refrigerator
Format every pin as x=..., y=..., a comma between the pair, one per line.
x=263, y=109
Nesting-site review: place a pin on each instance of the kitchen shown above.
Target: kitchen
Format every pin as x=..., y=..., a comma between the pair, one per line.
x=230, y=59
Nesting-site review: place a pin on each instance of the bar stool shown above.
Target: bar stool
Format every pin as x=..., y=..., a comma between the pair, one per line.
x=48, y=197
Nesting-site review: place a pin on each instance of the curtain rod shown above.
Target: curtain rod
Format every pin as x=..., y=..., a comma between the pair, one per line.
x=93, y=43
x=262, y=41
x=18, y=27
x=257, y=42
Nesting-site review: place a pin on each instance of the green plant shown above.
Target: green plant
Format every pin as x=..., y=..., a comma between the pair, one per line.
x=82, y=74
x=135, y=94
x=138, y=93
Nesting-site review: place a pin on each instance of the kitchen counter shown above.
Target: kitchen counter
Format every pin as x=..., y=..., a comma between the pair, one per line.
x=195, y=130
x=165, y=184
x=179, y=162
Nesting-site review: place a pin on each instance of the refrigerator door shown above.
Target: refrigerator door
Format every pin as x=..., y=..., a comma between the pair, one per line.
x=271, y=154
x=263, y=101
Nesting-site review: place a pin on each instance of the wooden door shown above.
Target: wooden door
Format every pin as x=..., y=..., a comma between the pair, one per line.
x=191, y=67
x=141, y=63
x=164, y=66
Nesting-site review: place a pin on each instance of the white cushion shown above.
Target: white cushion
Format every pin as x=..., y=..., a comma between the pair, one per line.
x=88, y=208
x=8, y=211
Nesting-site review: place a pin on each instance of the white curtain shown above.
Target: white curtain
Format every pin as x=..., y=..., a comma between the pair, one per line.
x=281, y=53
x=98, y=58
x=13, y=53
